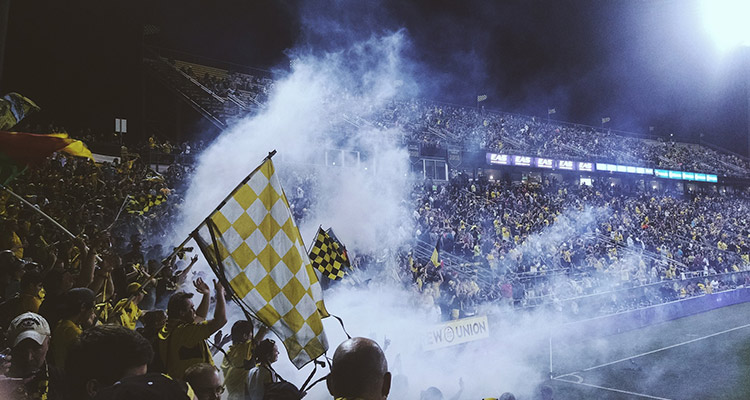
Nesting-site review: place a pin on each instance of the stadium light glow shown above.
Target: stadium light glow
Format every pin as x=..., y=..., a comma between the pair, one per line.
x=726, y=21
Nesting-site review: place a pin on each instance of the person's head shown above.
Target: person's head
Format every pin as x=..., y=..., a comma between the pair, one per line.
x=154, y=320
x=507, y=396
x=57, y=281
x=28, y=337
x=242, y=331
x=266, y=352
x=431, y=393
x=152, y=386
x=103, y=355
x=359, y=369
x=180, y=307
x=77, y=305
x=205, y=380
x=31, y=283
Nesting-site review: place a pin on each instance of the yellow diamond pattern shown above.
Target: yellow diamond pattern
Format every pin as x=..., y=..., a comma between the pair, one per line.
x=269, y=227
x=221, y=222
x=300, y=329
x=244, y=226
x=268, y=288
x=241, y=285
x=245, y=196
x=243, y=256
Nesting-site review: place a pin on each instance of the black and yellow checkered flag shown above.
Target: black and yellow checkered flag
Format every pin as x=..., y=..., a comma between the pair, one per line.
x=328, y=256
x=143, y=204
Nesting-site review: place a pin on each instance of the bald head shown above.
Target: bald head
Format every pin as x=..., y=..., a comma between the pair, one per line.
x=359, y=370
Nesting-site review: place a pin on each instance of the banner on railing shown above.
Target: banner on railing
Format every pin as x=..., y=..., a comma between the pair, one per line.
x=457, y=332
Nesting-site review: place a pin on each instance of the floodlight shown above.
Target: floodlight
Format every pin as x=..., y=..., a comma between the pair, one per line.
x=726, y=21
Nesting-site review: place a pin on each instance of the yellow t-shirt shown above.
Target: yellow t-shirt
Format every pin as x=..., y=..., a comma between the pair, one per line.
x=235, y=375
x=17, y=244
x=28, y=303
x=65, y=333
x=183, y=346
x=128, y=316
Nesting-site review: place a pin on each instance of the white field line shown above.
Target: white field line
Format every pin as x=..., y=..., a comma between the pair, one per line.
x=613, y=390
x=579, y=381
x=668, y=347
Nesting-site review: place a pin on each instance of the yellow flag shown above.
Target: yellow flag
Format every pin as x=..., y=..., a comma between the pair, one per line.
x=253, y=244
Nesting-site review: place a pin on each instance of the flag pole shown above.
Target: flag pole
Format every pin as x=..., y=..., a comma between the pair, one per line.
x=119, y=212
x=223, y=202
x=320, y=227
x=37, y=209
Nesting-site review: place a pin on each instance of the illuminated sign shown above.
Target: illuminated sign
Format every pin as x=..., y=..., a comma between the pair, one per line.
x=493, y=158
x=522, y=160
x=549, y=163
x=544, y=162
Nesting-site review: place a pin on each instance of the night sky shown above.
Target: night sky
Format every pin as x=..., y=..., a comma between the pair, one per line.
x=641, y=62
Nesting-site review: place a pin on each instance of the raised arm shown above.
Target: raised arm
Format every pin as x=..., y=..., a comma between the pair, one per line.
x=220, y=311
x=202, y=288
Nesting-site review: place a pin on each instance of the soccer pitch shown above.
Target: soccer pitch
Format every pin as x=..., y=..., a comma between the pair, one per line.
x=704, y=356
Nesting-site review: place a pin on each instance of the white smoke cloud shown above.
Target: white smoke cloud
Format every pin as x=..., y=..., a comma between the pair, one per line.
x=310, y=111
x=317, y=106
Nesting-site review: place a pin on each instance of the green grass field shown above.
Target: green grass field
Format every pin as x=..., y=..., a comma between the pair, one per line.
x=705, y=356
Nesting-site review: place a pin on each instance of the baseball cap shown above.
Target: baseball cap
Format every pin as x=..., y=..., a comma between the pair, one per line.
x=28, y=326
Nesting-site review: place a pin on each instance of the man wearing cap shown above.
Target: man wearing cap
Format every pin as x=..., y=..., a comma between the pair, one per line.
x=29, y=376
x=127, y=312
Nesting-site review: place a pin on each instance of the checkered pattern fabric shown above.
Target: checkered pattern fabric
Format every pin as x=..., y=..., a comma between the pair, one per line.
x=143, y=204
x=261, y=255
x=328, y=257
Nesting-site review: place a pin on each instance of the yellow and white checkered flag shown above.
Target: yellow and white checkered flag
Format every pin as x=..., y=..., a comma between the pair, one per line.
x=262, y=258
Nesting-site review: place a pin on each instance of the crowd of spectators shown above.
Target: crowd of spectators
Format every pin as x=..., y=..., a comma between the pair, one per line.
x=250, y=89
x=556, y=243
x=469, y=128
x=440, y=125
x=577, y=249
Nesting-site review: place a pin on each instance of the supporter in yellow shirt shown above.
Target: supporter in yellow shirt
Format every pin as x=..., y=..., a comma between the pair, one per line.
x=77, y=314
x=127, y=312
x=182, y=341
x=240, y=358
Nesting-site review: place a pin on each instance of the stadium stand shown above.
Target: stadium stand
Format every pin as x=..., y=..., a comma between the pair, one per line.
x=579, y=249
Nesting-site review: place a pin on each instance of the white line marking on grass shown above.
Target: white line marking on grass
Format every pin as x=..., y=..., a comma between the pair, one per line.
x=613, y=390
x=667, y=348
x=560, y=378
